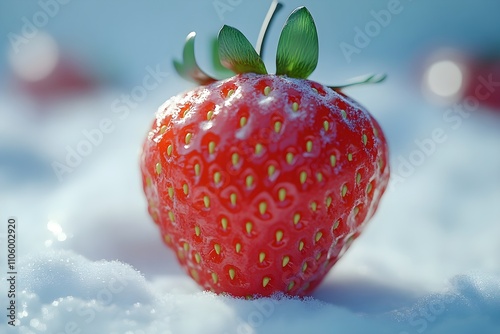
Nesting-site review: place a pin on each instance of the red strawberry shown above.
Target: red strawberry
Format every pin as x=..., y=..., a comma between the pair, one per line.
x=260, y=182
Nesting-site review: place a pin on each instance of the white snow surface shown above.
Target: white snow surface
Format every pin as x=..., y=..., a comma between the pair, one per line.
x=90, y=260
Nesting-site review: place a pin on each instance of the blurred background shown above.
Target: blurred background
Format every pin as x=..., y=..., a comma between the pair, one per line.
x=80, y=82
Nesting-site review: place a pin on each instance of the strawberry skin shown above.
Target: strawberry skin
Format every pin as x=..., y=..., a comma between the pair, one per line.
x=259, y=183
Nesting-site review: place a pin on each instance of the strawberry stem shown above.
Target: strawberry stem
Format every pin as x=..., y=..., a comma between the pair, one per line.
x=271, y=13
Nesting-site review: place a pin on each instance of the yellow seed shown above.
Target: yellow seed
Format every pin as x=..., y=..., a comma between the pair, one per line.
x=197, y=231
x=169, y=150
x=258, y=148
x=232, y=273
x=270, y=170
x=295, y=106
x=231, y=92
x=215, y=278
x=149, y=182
x=224, y=222
x=375, y=132
x=188, y=138
x=238, y=247
x=206, y=201
x=265, y=281
x=243, y=121
x=197, y=257
x=232, y=197
x=171, y=192
x=290, y=285
x=277, y=127
x=317, y=256
x=158, y=168
x=185, y=113
x=344, y=190
x=194, y=275
x=296, y=218
x=217, y=248
x=355, y=211
x=262, y=207
x=358, y=178
x=301, y=245
x=314, y=206
x=344, y=114
x=336, y=224
x=235, y=157
x=185, y=188
x=282, y=194
x=197, y=169
x=289, y=158
x=171, y=216
x=364, y=139
x=163, y=129
x=262, y=257
x=326, y=125
x=303, y=177
x=267, y=90
x=210, y=114
x=333, y=160
x=186, y=246
x=211, y=147
x=369, y=188
x=309, y=146
x=304, y=267
x=217, y=177
x=285, y=261
x=248, y=227
x=318, y=236
x=319, y=177
x=349, y=157
x=279, y=235
x=168, y=239
x=249, y=181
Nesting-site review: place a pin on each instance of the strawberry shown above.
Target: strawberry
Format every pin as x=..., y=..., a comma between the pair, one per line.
x=260, y=182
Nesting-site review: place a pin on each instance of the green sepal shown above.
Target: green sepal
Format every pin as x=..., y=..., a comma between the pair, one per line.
x=220, y=70
x=298, y=48
x=362, y=80
x=188, y=68
x=237, y=54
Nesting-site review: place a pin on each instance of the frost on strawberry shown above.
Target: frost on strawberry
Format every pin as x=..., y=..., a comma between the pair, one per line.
x=260, y=182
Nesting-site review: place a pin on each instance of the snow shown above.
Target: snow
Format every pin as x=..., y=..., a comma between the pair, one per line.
x=90, y=260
